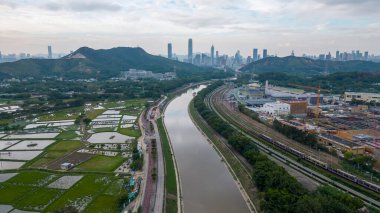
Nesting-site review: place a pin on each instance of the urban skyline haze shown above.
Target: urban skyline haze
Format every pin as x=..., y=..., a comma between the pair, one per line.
x=309, y=26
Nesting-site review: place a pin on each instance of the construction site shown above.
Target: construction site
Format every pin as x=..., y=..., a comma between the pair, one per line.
x=339, y=124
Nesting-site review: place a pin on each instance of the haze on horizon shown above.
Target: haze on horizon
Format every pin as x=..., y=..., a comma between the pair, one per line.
x=305, y=26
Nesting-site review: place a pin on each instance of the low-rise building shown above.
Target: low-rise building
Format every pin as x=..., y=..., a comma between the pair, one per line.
x=361, y=96
x=341, y=144
x=276, y=108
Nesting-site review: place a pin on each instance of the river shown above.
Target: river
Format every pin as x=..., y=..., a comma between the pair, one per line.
x=207, y=185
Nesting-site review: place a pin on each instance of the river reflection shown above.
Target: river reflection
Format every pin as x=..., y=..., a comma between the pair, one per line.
x=207, y=185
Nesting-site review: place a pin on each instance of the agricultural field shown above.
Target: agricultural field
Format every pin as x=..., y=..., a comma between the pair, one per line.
x=37, y=191
x=59, y=162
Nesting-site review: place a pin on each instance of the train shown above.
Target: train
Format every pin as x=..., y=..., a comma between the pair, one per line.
x=322, y=165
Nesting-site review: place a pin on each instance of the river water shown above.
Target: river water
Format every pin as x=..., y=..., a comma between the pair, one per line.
x=207, y=185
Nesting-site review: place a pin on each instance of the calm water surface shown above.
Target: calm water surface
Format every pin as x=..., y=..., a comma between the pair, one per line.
x=207, y=185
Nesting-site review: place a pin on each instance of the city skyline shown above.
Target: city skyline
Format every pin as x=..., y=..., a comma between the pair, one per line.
x=278, y=26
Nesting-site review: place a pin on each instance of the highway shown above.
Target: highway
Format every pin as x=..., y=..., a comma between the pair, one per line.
x=215, y=102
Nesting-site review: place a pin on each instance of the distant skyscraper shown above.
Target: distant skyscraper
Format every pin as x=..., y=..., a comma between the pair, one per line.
x=50, y=53
x=328, y=56
x=190, y=50
x=217, y=58
x=292, y=53
x=365, y=55
x=212, y=56
x=337, y=55
x=265, y=53
x=170, y=51
x=255, y=55
x=1, y=57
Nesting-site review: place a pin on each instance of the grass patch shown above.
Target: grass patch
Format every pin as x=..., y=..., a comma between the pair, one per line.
x=32, y=178
x=115, y=188
x=66, y=114
x=170, y=175
x=104, y=129
x=39, y=199
x=66, y=135
x=54, y=152
x=9, y=194
x=129, y=132
x=103, y=203
x=82, y=193
x=95, y=113
x=101, y=163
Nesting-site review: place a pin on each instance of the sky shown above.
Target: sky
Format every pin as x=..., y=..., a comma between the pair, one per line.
x=305, y=26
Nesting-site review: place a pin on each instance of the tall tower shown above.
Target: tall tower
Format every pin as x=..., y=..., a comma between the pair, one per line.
x=337, y=56
x=1, y=57
x=212, y=56
x=255, y=55
x=50, y=53
x=190, y=50
x=170, y=51
x=217, y=58
x=265, y=53
x=365, y=55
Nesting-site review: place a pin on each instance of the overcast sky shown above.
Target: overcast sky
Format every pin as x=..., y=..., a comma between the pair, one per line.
x=305, y=26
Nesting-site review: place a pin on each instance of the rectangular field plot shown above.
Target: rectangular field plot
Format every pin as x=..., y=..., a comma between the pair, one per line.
x=32, y=126
x=103, y=203
x=19, y=155
x=109, y=116
x=100, y=163
x=31, y=145
x=65, y=182
x=39, y=199
x=6, y=176
x=81, y=194
x=32, y=179
x=109, y=137
x=111, y=112
x=50, y=135
x=7, y=143
x=10, y=164
x=9, y=194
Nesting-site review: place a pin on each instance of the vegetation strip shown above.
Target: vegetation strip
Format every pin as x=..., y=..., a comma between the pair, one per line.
x=171, y=205
x=281, y=192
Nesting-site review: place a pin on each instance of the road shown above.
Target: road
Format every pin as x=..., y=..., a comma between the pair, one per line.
x=215, y=102
x=160, y=181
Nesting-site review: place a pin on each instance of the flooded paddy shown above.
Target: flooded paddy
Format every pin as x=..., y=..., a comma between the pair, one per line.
x=31, y=145
x=32, y=136
x=10, y=164
x=109, y=137
x=19, y=155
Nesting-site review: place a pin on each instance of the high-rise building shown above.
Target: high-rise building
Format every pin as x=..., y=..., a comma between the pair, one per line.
x=50, y=53
x=170, y=51
x=212, y=56
x=265, y=53
x=217, y=58
x=365, y=55
x=255, y=55
x=1, y=57
x=337, y=55
x=190, y=51
x=328, y=56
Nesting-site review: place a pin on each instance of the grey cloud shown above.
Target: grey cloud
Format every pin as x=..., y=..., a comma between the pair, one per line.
x=82, y=6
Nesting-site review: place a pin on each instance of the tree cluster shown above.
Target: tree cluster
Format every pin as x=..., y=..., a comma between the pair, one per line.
x=280, y=191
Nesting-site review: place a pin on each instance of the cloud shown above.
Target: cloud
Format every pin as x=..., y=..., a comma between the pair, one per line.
x=82, y=6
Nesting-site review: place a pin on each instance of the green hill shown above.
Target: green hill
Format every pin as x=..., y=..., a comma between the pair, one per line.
x=90, y=63
x=299, y=65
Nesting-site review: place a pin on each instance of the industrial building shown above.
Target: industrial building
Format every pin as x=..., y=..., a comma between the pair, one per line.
x=362, y=96
x=297, y=107
x=286, y=93
x=341, y=144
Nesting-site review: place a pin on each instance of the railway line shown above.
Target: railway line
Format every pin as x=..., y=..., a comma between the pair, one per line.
x=215, y=102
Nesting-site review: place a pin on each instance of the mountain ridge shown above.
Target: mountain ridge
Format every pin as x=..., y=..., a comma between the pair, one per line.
x=301, y=65
x=101, y=63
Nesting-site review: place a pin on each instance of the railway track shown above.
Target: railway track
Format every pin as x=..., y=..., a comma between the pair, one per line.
x=255, y=127
x=215, y=102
